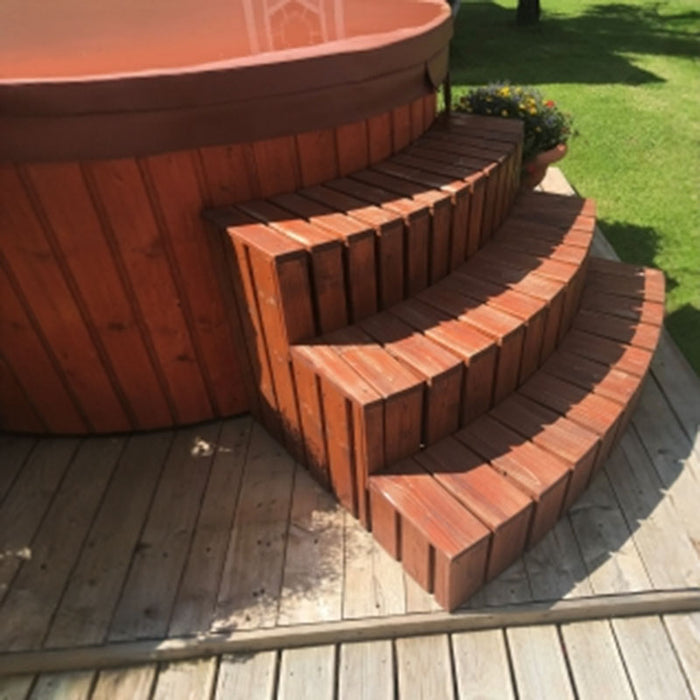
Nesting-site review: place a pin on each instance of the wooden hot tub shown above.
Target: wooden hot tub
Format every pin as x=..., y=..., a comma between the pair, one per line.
x=119, y=124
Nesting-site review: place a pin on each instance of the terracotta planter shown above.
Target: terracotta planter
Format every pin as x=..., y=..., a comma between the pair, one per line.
x=535, y=169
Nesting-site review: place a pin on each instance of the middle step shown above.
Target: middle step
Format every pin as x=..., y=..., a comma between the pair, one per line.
x=367, y=395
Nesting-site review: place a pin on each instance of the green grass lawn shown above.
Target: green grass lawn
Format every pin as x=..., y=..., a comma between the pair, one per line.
x=630, y=75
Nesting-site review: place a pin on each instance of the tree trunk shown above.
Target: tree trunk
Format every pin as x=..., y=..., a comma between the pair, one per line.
x=528, y=12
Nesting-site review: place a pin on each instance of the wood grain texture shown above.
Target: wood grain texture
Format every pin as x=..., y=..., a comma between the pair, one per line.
x=481, y=664
x=134, y=683
x=424, y=667
x=186, y=680
x=307, y=667
x=365, y=671
x=250, y=676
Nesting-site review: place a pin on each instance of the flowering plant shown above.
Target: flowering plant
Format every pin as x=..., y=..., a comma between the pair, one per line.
x=546, y=126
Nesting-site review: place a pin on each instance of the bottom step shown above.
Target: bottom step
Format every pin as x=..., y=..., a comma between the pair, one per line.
x=461, y=511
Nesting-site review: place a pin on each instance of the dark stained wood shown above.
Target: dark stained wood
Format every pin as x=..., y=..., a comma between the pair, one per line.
x=379, y=137
x=39, y=268
x=502, y=507
x=19, y=411
x=541, y=475
x=140, y=250
x=441, y=371
x=277, y=168
x=401, y=127
x=227, y=171
x=33, y=367
x=352, y=145
x=416, y=218
x=317, y=156
x=389, y=229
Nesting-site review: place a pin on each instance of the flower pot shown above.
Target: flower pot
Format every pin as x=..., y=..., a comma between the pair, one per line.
x=535, y=170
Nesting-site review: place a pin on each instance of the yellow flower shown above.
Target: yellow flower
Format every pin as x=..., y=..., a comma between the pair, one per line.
x=504, y=112
x=532, y=110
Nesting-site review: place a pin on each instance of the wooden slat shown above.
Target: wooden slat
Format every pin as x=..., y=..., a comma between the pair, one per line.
x=439, y=204
x=35, y=366
x=359, y=243
x=158, y=560
x=481, y=665
x=379, y=137
x=555, y=567
x=416, y=218
x=389, y=230
x=441, y=370
x=401, y=127
x=648, y=655
x=373, y=583
x=75, y=685
x=684, y=632
x=227, y=173
x=310, y=667
x=25, y=506
x=186, y=680
x=92, y=592
x=176, y=187
x=541, y=475
x=39, y=265
x=252, y=574
x=475, y=348
x=133, y=683
x=424, y=668
x=401, y=390
x=352, y=145
x=504, y=509
x=15, y=451
x=251, y=676
x=607, y=548
x=140, y=250
x=538, y=663
x=276, y=166
x=317, y=156
x=17, y=413
x=312, y=581
x=366, y=671
x=196, y=596
x=596, y=667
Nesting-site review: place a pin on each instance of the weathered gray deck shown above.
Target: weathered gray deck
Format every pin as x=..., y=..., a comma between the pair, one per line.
x=213, y=530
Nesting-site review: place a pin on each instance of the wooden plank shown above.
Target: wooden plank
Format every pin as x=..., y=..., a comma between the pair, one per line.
x=481, y=665
x=421, y=623
x=226, y=174
x=176, y=185
x=401, y=127
x=83, y=615
x=555, y=567
x=352, y=146
x=249, y=676
x=140, y=250
x=648, y=655
x=196, y=597
x=509, y=588
x=75, y=219
x=312, y=582
x=538, y=663
x=276, y=166
x=670, y=556
x=17, y=414
x=379, y=137
x=24, y=507
x=149, y=591
x=424, y=667
x=134, y=683
x=186, y=680
x=15, y=687
x=317, y=156
x=29, y=605
x=671, y=452
x=596, y=667
x=63, y=686
x=309, y=667
x=418, y=600
x=608, y=550
x=684, y=631
x=14, y=452
x=373, y=582
x=252, y=575
x=366, y=671
x=38, y=265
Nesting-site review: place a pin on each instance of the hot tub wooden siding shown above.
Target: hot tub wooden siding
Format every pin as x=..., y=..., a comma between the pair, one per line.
x=112, y=314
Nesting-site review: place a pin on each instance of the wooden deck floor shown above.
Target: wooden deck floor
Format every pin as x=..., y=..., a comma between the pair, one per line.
x=214, y=529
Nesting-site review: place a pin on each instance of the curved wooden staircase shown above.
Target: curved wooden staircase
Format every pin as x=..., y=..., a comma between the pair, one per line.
x=438, y=348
